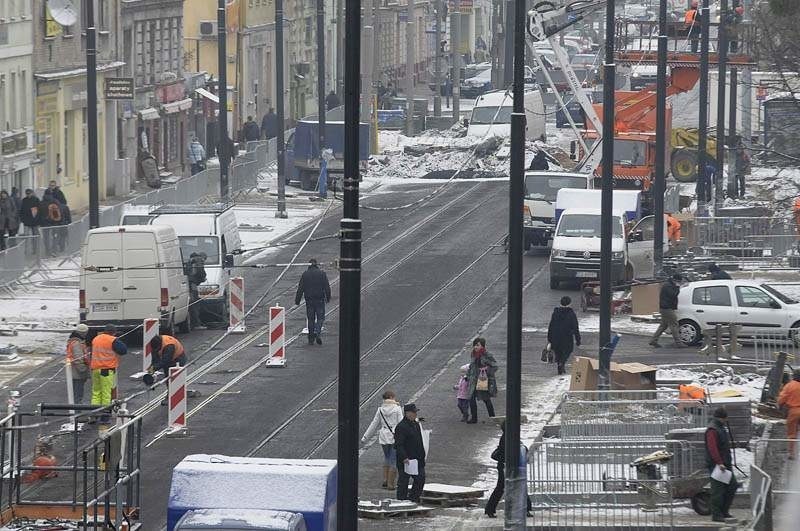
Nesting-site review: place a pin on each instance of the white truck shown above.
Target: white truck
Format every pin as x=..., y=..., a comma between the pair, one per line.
x=491, y=115
x=575, y=254
x=132, y=273
x=541, y=189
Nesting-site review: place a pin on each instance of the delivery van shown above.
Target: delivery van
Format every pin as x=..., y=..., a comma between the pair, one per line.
x=131, y=273
x=491, y=115
x=209, y=229
x=541, y=189
x=629, y=202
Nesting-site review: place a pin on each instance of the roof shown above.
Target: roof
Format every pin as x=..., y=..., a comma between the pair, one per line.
x=132, y=228
x=589, y=211
x=74, y=72
x=703, y=283
x=557, y=174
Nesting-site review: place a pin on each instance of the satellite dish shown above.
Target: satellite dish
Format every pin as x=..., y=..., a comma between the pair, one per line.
x=63, y=11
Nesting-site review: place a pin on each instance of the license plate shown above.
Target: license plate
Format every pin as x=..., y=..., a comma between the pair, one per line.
x=105, y=307
x=585, y=274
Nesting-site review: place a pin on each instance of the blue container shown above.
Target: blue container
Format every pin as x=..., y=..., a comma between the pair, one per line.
x=300, y=486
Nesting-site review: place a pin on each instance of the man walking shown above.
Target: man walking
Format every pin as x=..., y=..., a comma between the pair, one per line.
x=269, y=124
x=197, y=156
x=106, y=350
x=409, y=446
x=718, y=456
x=315, y=288
x=196, y=275
x=29, y=216
x=78, y=359
x=789, y=398
x=668, y=304
x=252, y=133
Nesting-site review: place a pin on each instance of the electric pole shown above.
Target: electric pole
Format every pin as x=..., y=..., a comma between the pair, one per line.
x=661, y=141
x=224, y=151
x=350, y=286
x=721, y=79
x=339, y=48
x=702, y=141
x=437, y=68
x=281, y=140
x=516, y=490
x=508, y=32
x=321, y=75
x=732, y=170
x=410, y=56
x=91, y=116
x=455, y=45
x=367, y=62
x=607, y=201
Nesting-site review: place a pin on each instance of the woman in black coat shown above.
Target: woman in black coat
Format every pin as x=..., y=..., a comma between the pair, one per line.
x=563, y=328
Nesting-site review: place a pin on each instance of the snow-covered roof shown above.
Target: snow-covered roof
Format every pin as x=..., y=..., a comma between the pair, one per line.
x=61, y=74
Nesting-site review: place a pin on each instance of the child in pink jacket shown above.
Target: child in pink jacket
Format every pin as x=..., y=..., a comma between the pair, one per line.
x=462, y=394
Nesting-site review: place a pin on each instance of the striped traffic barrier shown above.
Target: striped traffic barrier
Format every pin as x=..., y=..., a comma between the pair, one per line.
x=236, y=305
x=150, y=330
x=277, y=337
x=176, y=393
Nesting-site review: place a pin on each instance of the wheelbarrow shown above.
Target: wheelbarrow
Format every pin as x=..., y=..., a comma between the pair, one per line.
x=696, y=488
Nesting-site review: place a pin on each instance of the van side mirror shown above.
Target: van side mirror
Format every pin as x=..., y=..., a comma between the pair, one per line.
x=637, y=236
x=228, y=261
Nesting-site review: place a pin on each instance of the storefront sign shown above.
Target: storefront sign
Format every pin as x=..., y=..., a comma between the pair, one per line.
x=119, y=88
x=171, y=92
x=14, y=143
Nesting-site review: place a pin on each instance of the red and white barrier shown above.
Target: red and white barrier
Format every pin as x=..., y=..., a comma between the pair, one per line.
x=176, y=393
x=277, y=337
x=150, y=330
x=236, y=305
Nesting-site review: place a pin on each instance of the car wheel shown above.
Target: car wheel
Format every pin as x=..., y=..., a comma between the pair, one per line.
x=689, y=332
x=554, y=283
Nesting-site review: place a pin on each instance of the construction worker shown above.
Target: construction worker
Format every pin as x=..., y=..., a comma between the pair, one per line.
x=673, y=228
x=692, y=22
x=78, y=359
x=167, y=352
x=719, y=456
x=106, y=350
x=789, y=398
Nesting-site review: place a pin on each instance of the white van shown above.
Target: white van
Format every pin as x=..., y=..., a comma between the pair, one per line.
x=132, y=273
x=491, y=115
x=541, y=189
x=211, y=229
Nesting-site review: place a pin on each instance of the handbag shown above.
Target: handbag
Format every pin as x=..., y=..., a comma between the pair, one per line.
x=548, y=355
x=483, y=381
x=496, y=454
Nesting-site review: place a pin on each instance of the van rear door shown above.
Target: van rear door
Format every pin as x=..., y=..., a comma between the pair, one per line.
x=141, y=276
x=104, y=289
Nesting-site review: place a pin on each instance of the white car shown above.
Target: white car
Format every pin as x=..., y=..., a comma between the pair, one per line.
x=754, y=306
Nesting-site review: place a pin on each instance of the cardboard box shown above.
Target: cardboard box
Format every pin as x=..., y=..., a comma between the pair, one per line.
x=645, y=298
x=629, y=376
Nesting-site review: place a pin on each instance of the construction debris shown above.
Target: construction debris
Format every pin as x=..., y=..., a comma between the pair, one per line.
x=450, y=495
x=389, y=508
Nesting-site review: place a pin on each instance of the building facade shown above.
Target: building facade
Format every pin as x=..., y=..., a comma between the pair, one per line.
x=59, y=65
x=17, y=151
x=158, y=120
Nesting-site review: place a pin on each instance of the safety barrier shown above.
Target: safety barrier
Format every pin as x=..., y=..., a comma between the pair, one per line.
x=177, y=407
x=236, y=305
x=769, y=341
x=582, y=504
x=277, y=337
x=628, y=419
x=760, y=499
x=150, y=329
x=743, y=241
x=25, y=253
x=622, y=394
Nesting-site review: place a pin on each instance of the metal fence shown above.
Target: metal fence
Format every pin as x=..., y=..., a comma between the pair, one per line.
x=767, y=342
x=629, y=419
x=622, y=394
x=749, y=240
x=760, y=499
x=26, y=253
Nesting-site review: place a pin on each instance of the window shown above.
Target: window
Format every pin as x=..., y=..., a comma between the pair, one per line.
x=201, y=244
x=712, y=296
x=647, y=226
x=584, y=226
x=309, y=30
x=545, y=187
x=749, y=297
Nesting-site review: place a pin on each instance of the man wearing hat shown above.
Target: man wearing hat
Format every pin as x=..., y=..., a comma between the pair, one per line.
x=718, y=456
x=789, y=398
x=78, y=359
x=668, y=306
x=408, y=444
x=106, y=350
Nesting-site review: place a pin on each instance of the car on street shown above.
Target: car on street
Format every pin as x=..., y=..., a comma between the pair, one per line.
x=752, y=305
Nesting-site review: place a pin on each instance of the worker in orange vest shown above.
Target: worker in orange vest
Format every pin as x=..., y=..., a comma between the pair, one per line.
x=692, y=22
x=797, y=214
x=106, y=350
x=78, y=359
x=673, y=228
x=789, y=398
x=167, y=352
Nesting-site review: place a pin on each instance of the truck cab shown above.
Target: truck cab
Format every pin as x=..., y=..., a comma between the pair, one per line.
x=491, y=115
x=541, y=189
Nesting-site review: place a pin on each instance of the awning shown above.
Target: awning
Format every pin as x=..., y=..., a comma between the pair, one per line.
x=177, y=106
x=208, y=95
x=149, y=114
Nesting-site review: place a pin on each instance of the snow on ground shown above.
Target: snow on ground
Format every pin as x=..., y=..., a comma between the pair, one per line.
x=590, y=323
x=717, y=380
x=258, y=226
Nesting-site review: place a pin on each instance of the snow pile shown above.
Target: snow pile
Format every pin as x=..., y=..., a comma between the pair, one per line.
x=242, y=518
x=722, y=379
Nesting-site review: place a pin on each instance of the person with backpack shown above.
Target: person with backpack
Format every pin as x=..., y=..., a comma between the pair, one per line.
x=50, y=217
x=386, y=419
x=196, y=275
x=9, y=218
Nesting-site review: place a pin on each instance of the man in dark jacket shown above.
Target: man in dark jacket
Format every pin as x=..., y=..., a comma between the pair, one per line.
x=499, y=455
x=717, y=273
x=252, y=132
x=29, y=216
x=332, y=101
x=561, y=331
x=539, y=162
x=718, y=455
x=315, y=288
x=668, y=304
x=49, y=219
x=56, y=192
x=408, y=443
x=269, y=124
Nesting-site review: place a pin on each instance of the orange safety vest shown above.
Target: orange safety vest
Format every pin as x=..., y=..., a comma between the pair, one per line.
x=691, y=392
x=169, y=340
x=76, y=350
x=673, y=229
x=103, y=355
x=690, y=17
x=797, y=213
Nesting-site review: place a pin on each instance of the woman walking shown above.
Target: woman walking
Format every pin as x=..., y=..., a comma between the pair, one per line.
x=563, y=328
x=386, y=418
x=482, y=382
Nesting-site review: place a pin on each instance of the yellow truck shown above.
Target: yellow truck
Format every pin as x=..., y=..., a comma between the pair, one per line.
x=683, y=162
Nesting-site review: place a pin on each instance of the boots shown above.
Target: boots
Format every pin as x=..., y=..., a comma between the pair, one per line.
x=392, y=481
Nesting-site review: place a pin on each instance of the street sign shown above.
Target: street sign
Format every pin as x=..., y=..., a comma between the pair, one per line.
x=118, y=88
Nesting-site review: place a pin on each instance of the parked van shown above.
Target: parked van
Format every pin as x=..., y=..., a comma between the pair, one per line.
x=210, y=229
x=135, y=215
x=629, y=202
x=492, y=115
x=132, y=273
x=541, y=189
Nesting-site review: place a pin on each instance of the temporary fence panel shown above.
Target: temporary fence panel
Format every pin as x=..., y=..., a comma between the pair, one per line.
x=760, y=500
x=772, y=455
x=628, y=418
x=755, y=241
x=623, y=394
x=767, y=342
